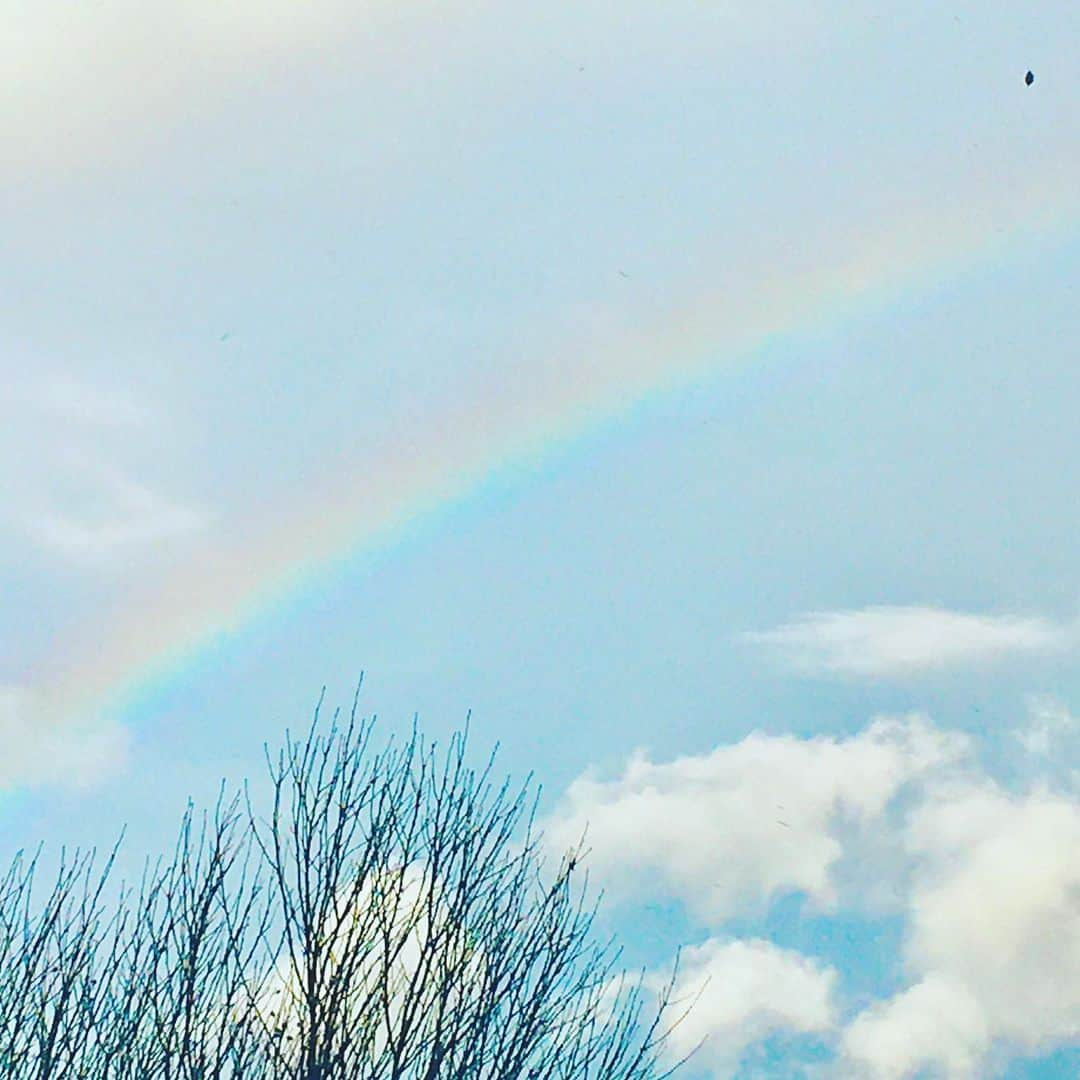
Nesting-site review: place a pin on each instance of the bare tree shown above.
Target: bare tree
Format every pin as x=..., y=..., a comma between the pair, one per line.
x=390, y=917
x=51, y=993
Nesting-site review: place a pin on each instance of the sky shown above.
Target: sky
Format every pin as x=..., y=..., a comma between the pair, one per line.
x=686, y=393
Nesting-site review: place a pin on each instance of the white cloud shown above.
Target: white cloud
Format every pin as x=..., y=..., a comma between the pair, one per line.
x=66, y=398
x=743, y=992
x=399, y=931
x=115, y=73
x=993, y=938
x=731, y=829
x=986, y=880
x=106, y=513
x=38, y=747
x=68, y=448
x=935, y=1021
x=886, y=641
x=1049, y=724
x=82, y=67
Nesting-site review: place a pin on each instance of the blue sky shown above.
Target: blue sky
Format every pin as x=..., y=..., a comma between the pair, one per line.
x=688, y=392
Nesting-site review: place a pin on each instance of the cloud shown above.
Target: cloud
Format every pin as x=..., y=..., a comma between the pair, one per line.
x=399, y=931
x=743, y=992
x=38, y=747
x=994, y=935
x=81, y=68
x=895, y=641
x=935, y=1021
x=68, y=446
x=114, y=76
x=64, y=397
x=985, y=881
x=107, y=514
x=1049, y=725
x=731, y=829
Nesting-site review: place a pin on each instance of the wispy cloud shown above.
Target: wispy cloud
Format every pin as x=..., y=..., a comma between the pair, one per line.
x=39, y=746
x=1049, y=724
x=64, y=397
x=72, y=451
x=112, y=515
x=888, y=641
x=73, y=64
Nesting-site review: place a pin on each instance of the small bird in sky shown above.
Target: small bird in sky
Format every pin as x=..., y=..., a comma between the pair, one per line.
x=1029, y=78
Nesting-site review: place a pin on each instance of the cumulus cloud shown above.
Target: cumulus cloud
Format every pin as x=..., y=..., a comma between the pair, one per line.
x=404, y=912
x=39, y=747
x=994, y=934
x=936, y=1021
x=986, y=881
x=733, y=828
x=743, y=992
x=892, y=641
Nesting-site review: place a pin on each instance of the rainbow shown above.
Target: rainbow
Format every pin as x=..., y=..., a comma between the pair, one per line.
x=515, y=425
